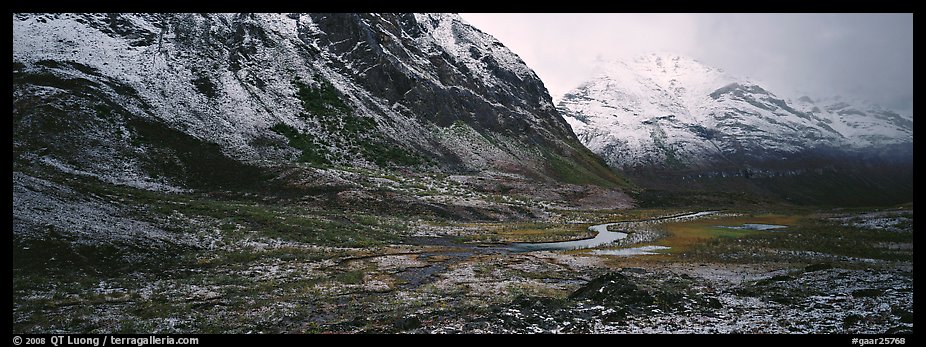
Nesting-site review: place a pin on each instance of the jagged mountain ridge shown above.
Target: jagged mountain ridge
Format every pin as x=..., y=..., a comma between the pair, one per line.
x=144, y=99
x=669, y=111
x=863, y=124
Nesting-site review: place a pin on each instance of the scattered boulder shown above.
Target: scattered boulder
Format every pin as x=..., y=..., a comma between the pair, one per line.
x=407, y=323
x=904, y=315
x=851, y=320
x=713, y=303
x=613, y=289
x=866, y=293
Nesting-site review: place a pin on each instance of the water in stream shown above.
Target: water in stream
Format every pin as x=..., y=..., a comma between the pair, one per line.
x=603, y=237
x=755, y=226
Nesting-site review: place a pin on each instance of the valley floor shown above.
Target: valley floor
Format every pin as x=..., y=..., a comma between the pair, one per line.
x=184, y=262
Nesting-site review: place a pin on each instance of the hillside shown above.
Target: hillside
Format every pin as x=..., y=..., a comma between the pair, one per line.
x=363, y=90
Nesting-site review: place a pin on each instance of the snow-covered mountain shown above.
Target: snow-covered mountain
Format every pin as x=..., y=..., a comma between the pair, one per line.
x=862, y=124
x=162, y=100
x=669, y=111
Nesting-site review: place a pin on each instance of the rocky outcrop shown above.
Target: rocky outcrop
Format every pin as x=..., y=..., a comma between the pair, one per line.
x=206, y=100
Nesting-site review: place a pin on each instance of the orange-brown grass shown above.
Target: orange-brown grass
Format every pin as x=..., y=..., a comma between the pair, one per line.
x=684, y=235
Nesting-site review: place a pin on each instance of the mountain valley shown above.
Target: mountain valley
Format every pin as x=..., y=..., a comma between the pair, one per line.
x=376, y=173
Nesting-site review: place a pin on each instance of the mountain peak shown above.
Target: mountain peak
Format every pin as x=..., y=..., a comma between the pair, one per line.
x=669, y=61
x=666, y=109
x=684, y=77
x=663, y=63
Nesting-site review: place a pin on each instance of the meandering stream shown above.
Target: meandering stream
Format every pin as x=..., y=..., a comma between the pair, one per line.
x=603, y=237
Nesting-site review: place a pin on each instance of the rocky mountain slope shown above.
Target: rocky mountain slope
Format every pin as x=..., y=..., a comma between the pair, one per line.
x=317, y=118
x=672, y=123
x=173, y=101
x=862, y=124
x=669, y=111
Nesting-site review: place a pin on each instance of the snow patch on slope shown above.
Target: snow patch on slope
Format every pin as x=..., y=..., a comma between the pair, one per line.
x=673, y=111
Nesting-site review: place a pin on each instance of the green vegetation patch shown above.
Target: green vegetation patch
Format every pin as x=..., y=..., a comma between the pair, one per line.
x=199, y=163
x=385, y=154
x=312, y=150
x=342, y=127
x=583, y=168
x=322, y=98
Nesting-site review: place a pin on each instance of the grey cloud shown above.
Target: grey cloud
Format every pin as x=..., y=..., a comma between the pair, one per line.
x=868, y=56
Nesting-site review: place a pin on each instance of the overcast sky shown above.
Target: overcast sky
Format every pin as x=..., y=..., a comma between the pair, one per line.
x=860, y=55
